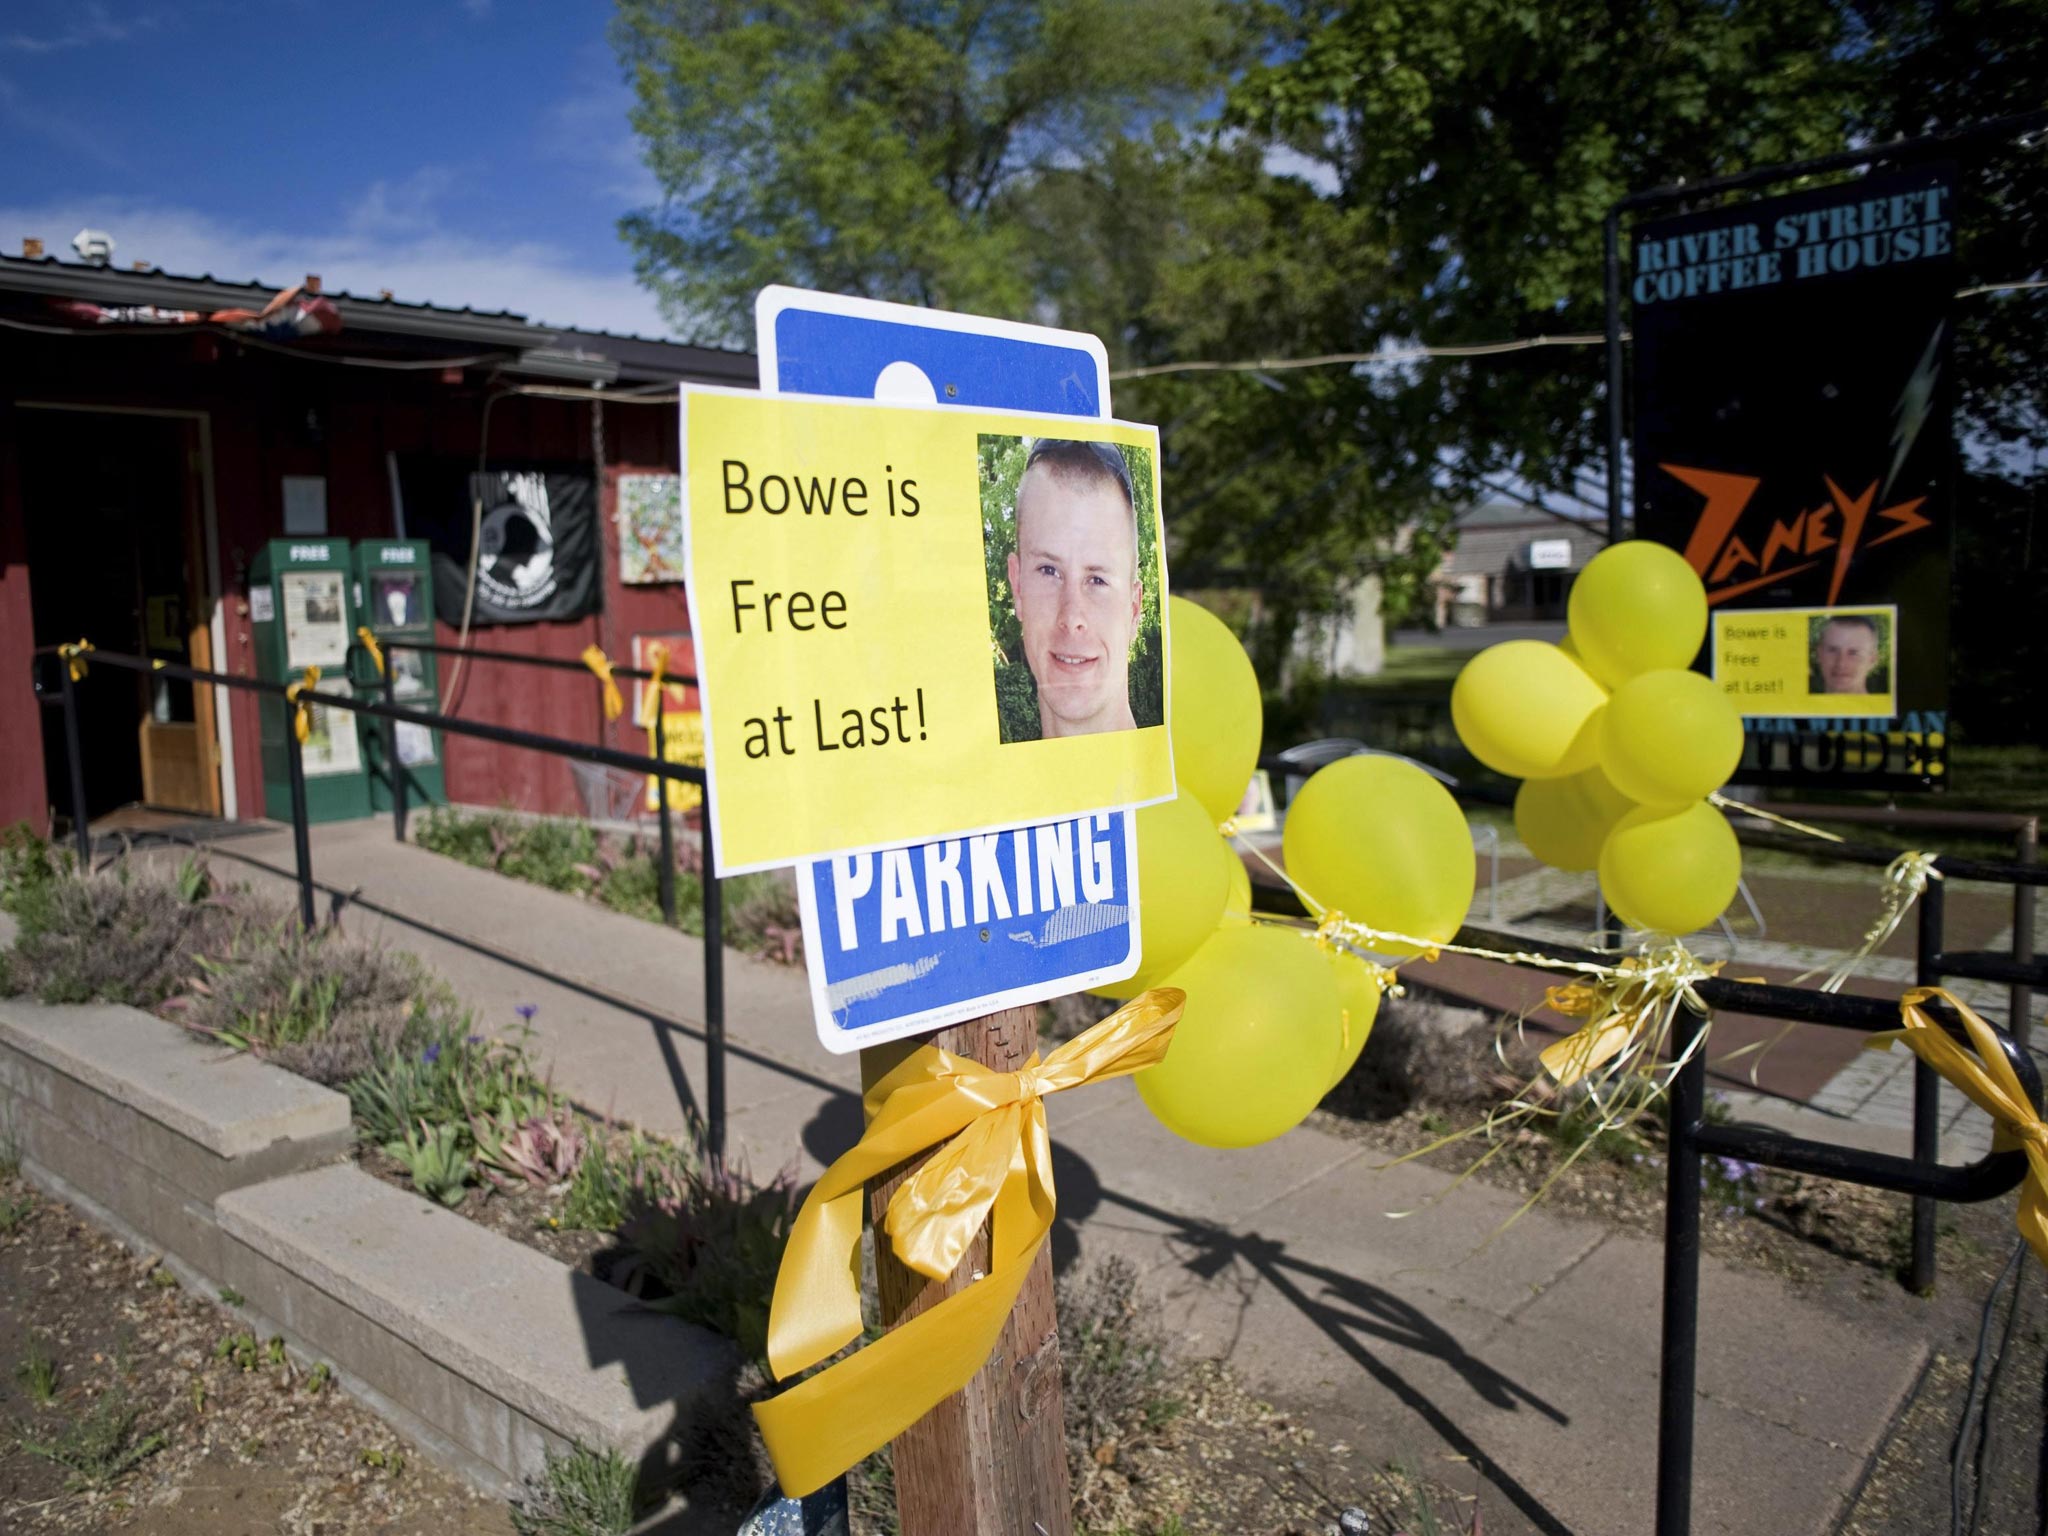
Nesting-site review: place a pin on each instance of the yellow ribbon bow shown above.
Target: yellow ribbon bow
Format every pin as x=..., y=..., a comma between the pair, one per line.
x=74, y=658
x=657, y=665
x=369, y=643
x=1983, y=1074
x=302, y=712
x=997, y=1160
x=601, y=664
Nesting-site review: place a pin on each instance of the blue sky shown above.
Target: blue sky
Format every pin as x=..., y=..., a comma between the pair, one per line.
x=458, y=151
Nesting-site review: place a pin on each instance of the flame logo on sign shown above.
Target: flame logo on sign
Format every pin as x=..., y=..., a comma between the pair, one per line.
x=1831, y=533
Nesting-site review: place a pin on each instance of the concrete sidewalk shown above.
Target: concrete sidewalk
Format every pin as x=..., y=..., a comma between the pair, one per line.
x=1534, y=1361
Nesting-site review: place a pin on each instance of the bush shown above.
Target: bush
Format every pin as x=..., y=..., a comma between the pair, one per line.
x=120, y=936
x=582, y=1493
x=317, y=1003
x=712, y=1242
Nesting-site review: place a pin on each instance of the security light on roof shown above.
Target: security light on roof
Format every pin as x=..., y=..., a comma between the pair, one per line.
x=93, y=245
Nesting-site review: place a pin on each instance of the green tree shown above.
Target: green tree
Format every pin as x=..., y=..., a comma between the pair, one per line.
x=887, y=148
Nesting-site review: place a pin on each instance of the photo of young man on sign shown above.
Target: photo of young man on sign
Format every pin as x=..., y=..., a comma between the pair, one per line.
x=1851, y=653
x=1072, y=562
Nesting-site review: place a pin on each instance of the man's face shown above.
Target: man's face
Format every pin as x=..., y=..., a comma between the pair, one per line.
x=1844, y=657
x=1074, y=581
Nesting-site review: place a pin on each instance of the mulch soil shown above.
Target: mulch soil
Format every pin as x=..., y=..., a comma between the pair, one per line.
x=243, y=1444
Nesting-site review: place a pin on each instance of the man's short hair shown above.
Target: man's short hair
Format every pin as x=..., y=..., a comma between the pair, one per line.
x=1087, y=463
x=1864, y=619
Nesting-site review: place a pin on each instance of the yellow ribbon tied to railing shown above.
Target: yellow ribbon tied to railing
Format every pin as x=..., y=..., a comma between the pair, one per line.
x=996, y=1161
x=1981, y=1071
x=601, y=665
x=369, y=643
x=657, y=664
x=74, y=658
x=302, y=712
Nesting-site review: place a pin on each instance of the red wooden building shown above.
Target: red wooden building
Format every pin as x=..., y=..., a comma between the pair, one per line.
x=145, y=457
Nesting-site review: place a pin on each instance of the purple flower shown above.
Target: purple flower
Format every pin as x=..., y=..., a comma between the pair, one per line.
x=526, y=1011
x=431, y=1054
x=1734, y=1169
x=473, y=1040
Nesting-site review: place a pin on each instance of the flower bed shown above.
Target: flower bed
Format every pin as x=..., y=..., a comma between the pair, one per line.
x=621, y=871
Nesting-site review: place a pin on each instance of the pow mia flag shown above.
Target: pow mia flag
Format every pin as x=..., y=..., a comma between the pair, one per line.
x=536, y=543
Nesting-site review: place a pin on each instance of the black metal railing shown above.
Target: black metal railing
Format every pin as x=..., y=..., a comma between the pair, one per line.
x=393, y=715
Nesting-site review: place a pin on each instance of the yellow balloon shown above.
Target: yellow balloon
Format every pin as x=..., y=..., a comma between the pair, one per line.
x=1670, y=873
x=1182, y=885
x=1358, y=991
x=1216, y=713
x=1255, y=1046
x=1669, y=738
x=1237, y=906
x=1564, y=821
x=1382, y=842
x=1636, y=607
x=1527, y=710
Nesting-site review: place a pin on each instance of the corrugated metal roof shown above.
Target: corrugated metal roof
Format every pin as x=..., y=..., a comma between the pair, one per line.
x=638, y=358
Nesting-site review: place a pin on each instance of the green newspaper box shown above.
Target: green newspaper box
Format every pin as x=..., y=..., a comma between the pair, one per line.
x=302, y=613
x=395, y=596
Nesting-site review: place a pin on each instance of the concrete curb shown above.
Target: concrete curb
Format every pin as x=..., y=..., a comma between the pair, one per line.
x=487, y=1353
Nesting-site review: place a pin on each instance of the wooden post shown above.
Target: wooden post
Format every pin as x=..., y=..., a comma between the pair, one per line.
x=991, y=1460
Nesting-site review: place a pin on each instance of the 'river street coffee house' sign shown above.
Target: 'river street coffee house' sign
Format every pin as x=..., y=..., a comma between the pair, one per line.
x=1792, y=442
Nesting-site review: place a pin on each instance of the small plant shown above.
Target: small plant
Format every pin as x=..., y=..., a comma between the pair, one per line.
x=14, y=1211
x=439, y=1167
x=198, y=1391
x=163, y=1279
x=543, y=1152
x=250, y=1448
x=612, y=1178
x=581, y=1493
x=37, y=1372
x=239, y=1350
x=319, y=1378
x=100, y=1446
x=392, y=1461
x=230, y=1297
x=194, y=880
x=273, y=1352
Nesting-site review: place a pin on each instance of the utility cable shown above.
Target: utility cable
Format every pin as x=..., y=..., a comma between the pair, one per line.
x=1970, y=1405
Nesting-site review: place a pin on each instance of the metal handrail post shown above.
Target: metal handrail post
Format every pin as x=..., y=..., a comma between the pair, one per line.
x=1926, y=1091
x=1679, y=1359
x=666, y=880
x=391, y=760
x=302, y=846
x=714, y=992
x=2019, y=1021
x=81, y=832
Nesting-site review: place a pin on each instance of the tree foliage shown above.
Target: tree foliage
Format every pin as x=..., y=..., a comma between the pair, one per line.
x=1201, y=179
x=885, y=148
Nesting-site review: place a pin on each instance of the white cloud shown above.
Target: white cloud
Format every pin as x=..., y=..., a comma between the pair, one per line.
x=479, y=10
x=588, y=127
x=390, y=238
x=1282, y=160
x=88, y=24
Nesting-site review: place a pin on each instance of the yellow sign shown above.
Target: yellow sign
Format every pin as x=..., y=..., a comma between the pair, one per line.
x=681, y=741
x=917, y=623
x=1808, y=662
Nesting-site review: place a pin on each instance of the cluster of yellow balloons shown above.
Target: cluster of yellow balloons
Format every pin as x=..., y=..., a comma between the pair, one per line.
x=1273, y=1019
x=1617, y=740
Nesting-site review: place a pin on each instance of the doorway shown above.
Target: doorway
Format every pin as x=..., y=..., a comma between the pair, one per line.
x=115, y=550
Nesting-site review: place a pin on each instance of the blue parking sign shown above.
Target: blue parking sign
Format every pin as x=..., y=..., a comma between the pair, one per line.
x=906, y=940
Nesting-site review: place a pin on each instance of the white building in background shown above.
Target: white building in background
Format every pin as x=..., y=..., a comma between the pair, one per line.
x=1512, y=563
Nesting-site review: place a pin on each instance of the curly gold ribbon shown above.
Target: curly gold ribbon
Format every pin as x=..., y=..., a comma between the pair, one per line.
x=74, y=656
x=601, y=666
x=302, y=712
x=996, y=1161
x=369, y=643
x=1982, y=1073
